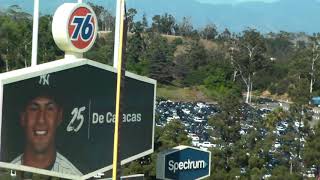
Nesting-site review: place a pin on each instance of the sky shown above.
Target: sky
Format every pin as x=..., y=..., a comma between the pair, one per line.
x=234, y=1
x=236, y=15
x=203, y=1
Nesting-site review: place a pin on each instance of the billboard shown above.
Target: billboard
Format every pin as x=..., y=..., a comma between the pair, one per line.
x=185, y=163
x=58, y=118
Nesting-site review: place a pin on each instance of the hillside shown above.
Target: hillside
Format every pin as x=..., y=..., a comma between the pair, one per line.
x=186, y=94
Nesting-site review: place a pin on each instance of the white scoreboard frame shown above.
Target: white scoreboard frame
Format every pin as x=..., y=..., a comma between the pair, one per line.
x=56, y=66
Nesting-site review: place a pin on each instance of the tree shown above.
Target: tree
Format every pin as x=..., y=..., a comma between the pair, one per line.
x=315, y=56
x=279, y=45
x=102, y=50
x=163, y=24
x=197, y=55
x=280, y=172
x=275, y=117
x=225, y=36
x=16, y=13
x=109, y=21
x=167, y=24
x=190, y=64
x=305, y=64
x=227, y=125
x=100, y=12
x=135, y=49
x=311, y=153
x=105, y=19
x=15, y=38
x=130, y=16
x=47, y=50
x=171, y=135
x=209, y=32
x=144, y=22
x=298, y=112
x=249, y=58
x=158, y=58
x=185, y=28
x=156, y=23
x=298, y=91
x=9, y=34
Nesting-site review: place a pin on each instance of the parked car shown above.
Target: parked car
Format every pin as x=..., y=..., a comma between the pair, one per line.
x=207, y=144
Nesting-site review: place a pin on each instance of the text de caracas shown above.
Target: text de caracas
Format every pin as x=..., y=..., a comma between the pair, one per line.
x=110, y=118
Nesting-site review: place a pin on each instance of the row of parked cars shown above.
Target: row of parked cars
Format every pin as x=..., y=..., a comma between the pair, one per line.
x=193, y=115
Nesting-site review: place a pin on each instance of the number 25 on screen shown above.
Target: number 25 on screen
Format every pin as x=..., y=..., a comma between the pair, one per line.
x=77, y=119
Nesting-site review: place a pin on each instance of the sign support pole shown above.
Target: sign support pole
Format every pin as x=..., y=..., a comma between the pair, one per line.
x=35, y=33
x=117, y=35
x=121, y=49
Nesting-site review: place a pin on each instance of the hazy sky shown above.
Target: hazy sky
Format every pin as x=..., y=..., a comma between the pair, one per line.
x=234, y=1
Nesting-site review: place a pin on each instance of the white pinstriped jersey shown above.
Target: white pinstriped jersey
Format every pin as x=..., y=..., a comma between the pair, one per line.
x=61, y=165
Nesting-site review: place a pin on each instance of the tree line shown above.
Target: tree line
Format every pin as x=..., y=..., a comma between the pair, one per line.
x=175, y=53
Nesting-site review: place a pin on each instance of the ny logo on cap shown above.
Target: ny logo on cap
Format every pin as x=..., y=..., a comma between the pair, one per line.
x=44, y=79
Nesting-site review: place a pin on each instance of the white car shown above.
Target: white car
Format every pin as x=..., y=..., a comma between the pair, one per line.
x=186, y=111
x=285, y=123
x=198, y=119
x=194, y=137
x=195, y=143
x=277, y=145
x=242, y=132
x=208, y=127
x=207, y=144
x=280, y=128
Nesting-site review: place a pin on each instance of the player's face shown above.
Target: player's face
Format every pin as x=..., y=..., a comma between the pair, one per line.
x=40, y=119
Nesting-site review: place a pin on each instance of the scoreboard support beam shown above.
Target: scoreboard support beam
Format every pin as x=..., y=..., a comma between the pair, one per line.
x=35, y=33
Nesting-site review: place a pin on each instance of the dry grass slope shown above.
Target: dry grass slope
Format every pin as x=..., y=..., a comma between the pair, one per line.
x=186, y=94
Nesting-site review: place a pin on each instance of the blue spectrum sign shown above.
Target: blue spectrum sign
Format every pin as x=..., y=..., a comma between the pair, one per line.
x=185, y=163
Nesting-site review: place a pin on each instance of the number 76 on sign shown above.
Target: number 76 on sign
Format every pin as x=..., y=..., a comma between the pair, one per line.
x=83, y=27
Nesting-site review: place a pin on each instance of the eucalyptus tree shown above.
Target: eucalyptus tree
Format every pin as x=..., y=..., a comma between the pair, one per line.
x=105, y=19
x=15, y=37
x=185, y=28
x=314, y=60
x=163, y=24
x=209, y=32
x=249, y=57
x=130, y=17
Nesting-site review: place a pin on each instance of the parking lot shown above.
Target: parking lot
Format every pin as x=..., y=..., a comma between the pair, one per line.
x=194, y=116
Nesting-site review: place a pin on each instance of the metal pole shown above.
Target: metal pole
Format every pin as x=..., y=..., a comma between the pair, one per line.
x=117, y=35
x=35, y=33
